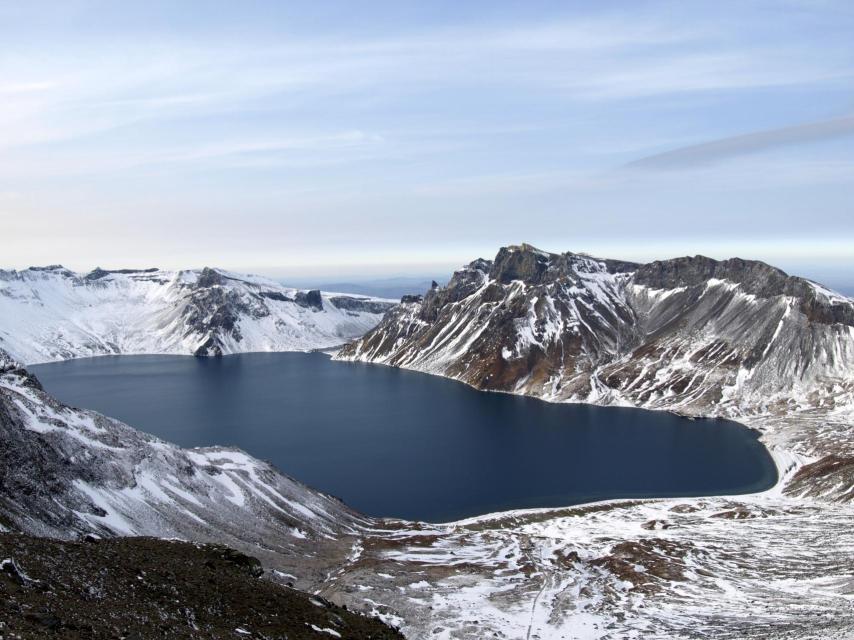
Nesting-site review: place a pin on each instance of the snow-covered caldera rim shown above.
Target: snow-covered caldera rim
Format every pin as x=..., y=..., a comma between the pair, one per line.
x=328, y=351
x=187, y=276
x=52, y=314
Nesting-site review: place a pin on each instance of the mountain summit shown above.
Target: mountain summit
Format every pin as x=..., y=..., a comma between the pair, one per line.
x=691, y=334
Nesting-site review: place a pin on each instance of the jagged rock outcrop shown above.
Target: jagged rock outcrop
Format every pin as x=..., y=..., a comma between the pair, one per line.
x=733, y=338
x=690, y=334
x=309, y=299
x=359, y=305
x=51, y=313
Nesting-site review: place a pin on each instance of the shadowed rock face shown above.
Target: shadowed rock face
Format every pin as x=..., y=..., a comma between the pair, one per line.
x=754, y=278
x=360, y=304
x=214, y=312
x=209, y=278
x=97, y=273
x=525, y=263
x=310, y=299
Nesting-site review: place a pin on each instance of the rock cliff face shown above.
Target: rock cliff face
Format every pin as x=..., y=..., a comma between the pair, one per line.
x=692, y=334
x=51, y=313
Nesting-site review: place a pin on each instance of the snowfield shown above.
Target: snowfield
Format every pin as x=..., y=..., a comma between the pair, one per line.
x=49, y=314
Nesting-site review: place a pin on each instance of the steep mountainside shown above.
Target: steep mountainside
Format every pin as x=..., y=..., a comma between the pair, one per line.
x=52, y=313
x=690, y=334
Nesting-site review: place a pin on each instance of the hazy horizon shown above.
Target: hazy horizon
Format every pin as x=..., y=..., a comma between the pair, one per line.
x=836, y=274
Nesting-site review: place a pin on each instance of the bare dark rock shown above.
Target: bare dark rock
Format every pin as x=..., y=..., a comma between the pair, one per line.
x=275, y=295
x=209, y=278
x=645, y=562
x=519, y=263
x=97, y=273
x=147, y=588
x=829, y=476
x=351, y=303
x=309, y=299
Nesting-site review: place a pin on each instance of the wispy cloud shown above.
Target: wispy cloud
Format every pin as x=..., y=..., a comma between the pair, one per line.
x=84, y=89
x=413, y=123
x=734, y=146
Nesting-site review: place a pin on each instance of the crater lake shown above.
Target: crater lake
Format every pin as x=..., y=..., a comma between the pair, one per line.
x=397, y=443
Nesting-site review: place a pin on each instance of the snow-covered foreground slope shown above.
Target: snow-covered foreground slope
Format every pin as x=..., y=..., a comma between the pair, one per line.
x=53, y=314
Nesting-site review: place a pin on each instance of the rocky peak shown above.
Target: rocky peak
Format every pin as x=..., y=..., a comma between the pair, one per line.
x=209, y=277
x=96, y=274
x=522, y=262
x=462, y=284
x=310, y=299
x=480, y=264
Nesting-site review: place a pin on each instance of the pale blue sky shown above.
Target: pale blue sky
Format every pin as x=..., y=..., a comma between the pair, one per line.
x=335, y=139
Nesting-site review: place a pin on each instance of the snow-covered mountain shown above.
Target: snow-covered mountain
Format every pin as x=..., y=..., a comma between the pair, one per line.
x=51, y=313
x=691, y=334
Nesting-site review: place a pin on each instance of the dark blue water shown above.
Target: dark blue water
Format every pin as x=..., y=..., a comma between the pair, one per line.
x=397, y=443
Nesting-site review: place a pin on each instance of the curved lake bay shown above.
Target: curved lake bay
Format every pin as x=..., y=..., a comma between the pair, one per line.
x=398, y=443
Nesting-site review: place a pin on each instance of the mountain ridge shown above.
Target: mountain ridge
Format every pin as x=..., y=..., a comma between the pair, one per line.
x=52, y=313
x=690, y=334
